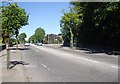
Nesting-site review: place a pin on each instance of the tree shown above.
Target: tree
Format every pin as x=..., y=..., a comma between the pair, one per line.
x=32, y=39
x=101, y=23
x=13, y=18
x=39, y=34
x=22, y=37
x=98, y=24
x=0, y=23
x=69, y=24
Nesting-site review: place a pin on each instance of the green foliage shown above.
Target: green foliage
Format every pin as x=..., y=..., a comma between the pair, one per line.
x=69, y=24
x=13, y=18
x=39, y=34
x=32, y=39
x=98, y=24
x=0, y=21
x=12, y=42
x=22, y=37
x=0, y=41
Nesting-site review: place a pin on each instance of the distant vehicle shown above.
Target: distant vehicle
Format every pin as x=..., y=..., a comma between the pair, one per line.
x=39, y=44
x=27, y=44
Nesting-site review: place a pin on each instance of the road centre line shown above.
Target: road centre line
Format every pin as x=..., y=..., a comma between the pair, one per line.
x=95, y=61
x=114, y=66
x=81, y=58
x=43, y=65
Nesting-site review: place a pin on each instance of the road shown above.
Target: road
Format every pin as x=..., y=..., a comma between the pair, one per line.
x=48, y=64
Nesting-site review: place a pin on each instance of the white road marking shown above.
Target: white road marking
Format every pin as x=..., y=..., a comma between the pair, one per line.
x=31, y=66
x=82, y=57
x=94, y=61
x=44, y=65
x=88, y=60
x=114, y=66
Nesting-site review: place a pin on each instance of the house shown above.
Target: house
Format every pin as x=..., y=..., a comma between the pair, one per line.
x=53, y=39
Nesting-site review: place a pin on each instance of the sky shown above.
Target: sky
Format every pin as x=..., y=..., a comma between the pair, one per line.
x=46, y=15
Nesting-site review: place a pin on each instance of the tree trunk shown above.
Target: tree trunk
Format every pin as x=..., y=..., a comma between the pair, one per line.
x=71, y=38
x=17, y=32
x=16, y=43
x=8, y=53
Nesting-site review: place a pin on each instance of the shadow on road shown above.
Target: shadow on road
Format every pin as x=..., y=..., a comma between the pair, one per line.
x=3, y=55
x=25, y=48
x=2, y=47
x=96, y=49
x=93, y=50
x=14, y=63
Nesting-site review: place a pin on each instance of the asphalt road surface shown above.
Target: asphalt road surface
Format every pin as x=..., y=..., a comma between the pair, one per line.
x=61, y=65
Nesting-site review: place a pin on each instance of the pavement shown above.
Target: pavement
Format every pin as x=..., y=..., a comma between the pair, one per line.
x=16, y=73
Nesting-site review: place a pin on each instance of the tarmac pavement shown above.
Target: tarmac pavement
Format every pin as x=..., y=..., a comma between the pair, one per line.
x=15, y=73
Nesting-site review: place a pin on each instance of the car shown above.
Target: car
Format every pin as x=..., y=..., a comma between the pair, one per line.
x=39, y=44
x=27, y=44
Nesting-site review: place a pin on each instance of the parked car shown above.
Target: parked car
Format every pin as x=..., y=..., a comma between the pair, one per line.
x=39, y=44
x=27, y=44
